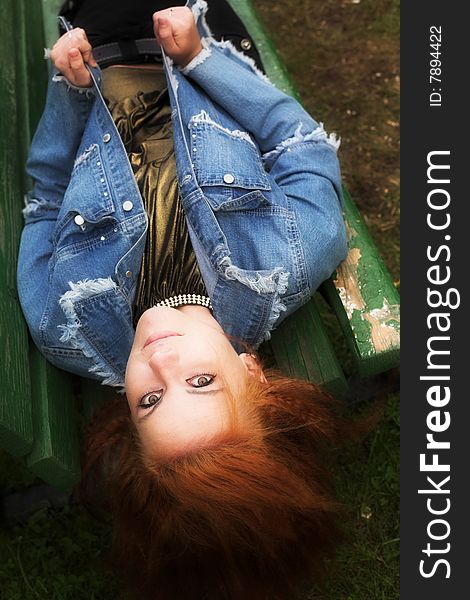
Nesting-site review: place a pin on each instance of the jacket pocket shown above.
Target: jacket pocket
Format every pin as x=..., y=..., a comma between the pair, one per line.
x=87, y=201
x=228, y=167
x=68, y=359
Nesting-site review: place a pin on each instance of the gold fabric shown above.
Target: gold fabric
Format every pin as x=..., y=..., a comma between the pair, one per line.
x=139, y=104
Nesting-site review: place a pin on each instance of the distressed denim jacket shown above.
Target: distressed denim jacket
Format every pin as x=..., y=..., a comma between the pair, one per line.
x=260, y=185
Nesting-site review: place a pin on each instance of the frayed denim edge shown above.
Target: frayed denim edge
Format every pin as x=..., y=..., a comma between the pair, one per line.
x=199, y=9
x=34, y=207
x=198, y=59
x=84, y=155
x=71, y=330
x=88, y=91
x=203, y=117
x=275, y=283
x=319, y=135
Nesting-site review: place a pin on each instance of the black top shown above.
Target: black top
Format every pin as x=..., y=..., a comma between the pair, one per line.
x=115, y=20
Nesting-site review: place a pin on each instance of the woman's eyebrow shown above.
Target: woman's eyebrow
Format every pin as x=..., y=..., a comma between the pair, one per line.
x=205, y=392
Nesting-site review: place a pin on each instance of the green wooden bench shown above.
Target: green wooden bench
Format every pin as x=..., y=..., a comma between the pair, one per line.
x=39, y=411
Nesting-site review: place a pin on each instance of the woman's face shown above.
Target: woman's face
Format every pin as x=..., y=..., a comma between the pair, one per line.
x=180, y=371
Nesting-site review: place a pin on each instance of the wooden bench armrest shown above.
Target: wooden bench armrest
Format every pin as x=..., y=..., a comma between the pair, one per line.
x=365, y=300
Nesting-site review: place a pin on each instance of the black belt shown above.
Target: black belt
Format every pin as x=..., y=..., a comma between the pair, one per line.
x=147, y=50
x=128, y=51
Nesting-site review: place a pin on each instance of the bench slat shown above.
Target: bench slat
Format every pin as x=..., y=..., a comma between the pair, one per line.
x=55, y=453
x=50, y=10
x=302, y=349
x=15, y=403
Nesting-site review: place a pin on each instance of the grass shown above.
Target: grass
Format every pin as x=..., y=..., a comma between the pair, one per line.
x=55, y=557
x=343, y=58
x=366, y=567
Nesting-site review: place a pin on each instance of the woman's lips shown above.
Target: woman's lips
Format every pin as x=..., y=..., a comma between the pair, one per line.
x=160, y=336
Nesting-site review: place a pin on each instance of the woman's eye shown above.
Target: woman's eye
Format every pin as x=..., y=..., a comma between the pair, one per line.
x=201, y=380
x=150, y=400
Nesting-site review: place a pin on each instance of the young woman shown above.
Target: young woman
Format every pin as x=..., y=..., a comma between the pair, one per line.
x=213, y=473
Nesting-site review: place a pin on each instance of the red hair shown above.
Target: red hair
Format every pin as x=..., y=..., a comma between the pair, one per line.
x=249, y=516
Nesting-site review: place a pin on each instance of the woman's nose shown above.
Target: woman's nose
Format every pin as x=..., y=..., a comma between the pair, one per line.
x=163, y=356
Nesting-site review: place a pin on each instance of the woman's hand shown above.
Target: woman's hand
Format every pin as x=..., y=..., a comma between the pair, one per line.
x=177, y=34
x=70, y=54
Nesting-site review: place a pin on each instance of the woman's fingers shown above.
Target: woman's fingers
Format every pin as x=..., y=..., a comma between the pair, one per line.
x=72, y=65
x=165, y=36
x=84, y=46
x=177, y=34
x=88, y=57
x=80, y=74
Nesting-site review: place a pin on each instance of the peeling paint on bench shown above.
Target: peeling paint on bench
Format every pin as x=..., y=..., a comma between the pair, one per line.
x=384, y=326
x=375, y=328
x=346, y=283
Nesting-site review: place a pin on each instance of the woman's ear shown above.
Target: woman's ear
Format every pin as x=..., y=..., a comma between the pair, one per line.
x=253, y=367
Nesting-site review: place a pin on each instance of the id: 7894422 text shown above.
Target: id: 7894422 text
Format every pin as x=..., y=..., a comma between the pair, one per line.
x=435, y=65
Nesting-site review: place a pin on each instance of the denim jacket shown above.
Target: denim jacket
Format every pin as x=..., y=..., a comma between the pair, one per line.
x=260, y=185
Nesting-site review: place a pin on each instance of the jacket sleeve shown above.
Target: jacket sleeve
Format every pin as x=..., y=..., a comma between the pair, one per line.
x=55, y=143
x=50, y=165
x=265, y=111
x=299, y=156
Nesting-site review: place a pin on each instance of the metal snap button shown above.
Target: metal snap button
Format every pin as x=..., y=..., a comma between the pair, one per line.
x=229, y=178
x=128, y=274
x=79, y=220
x=127, y=206
x=246, y=44
x=106, y=137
